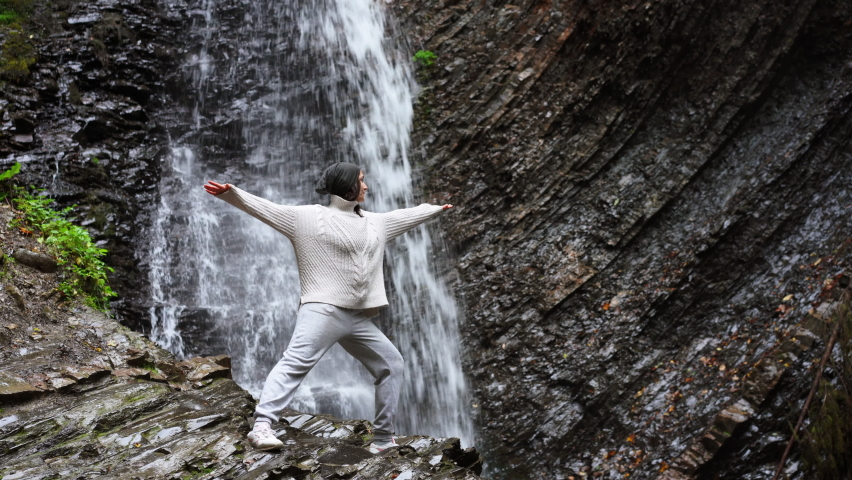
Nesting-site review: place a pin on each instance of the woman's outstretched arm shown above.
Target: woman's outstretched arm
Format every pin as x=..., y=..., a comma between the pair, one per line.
x=400, y=221
x=279, y=217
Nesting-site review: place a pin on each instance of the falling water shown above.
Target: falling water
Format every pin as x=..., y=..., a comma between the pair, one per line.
x=323, y=81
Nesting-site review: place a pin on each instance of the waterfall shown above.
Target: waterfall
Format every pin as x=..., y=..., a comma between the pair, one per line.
x=319, y=81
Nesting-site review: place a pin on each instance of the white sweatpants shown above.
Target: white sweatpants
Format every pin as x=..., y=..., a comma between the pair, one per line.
x=318, y=327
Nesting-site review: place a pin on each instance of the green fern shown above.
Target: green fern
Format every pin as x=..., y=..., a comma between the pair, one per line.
x=84, y=270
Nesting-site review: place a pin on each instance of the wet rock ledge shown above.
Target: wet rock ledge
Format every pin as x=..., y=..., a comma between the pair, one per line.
x=83, y=397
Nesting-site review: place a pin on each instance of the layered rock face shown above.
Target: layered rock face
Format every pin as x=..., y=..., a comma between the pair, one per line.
x=110, y=404
x=650, y=198
x=90, y=123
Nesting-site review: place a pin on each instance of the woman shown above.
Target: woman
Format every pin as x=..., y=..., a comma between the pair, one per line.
x=340, y=251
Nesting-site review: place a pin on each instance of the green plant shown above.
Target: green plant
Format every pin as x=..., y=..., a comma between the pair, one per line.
x=85, y=272
x=17, y=57
x=151, y=368
x=10, y=172
x=21, y=7
x=425, y=58
x=13, y=11
x=17, y=53
x=5, y=185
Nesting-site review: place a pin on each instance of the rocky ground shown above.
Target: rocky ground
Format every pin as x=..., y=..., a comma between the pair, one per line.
x=84, y=397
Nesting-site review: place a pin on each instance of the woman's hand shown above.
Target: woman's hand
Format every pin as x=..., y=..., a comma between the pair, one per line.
x=447, y=206
x=214, y=188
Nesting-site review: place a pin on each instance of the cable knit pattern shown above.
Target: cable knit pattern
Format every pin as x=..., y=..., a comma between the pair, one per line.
x=339, y=254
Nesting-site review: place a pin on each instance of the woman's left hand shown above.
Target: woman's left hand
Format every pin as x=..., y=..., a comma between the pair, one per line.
x=447, y=206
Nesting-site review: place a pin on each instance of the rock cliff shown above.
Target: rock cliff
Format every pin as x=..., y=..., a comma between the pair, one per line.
x=89, y=123
x=651, y=195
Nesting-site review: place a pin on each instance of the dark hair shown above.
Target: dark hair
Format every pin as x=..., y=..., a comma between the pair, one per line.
x=352, y=195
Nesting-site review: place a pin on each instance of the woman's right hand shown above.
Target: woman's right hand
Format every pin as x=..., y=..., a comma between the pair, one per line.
x=214, y=188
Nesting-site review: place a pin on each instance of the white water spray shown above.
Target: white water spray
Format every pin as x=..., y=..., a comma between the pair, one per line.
x=325, y=84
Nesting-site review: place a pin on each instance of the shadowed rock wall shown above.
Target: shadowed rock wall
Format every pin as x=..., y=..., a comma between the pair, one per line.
x=89, y=124
x=650, y=197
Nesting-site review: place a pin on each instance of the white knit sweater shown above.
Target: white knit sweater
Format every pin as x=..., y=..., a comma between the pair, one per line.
x=339, y=254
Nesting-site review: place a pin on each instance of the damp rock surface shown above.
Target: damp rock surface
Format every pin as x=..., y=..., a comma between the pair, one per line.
x=88, y=123
x=650, y=198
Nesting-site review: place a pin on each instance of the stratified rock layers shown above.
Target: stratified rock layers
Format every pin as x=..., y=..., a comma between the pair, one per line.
x=650, y=196
x=83, y=397
x=94, y=112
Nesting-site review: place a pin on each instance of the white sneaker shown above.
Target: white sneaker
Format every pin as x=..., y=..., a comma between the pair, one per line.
x=262, y=437
x=377, y=447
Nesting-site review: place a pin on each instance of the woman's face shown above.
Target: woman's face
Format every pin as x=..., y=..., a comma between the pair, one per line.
x=363, y=189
